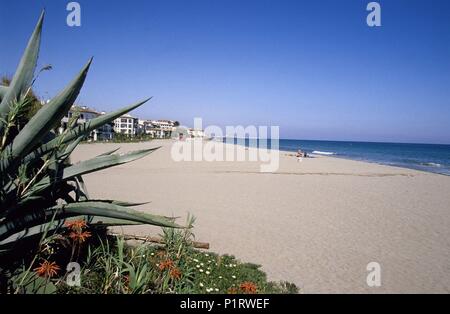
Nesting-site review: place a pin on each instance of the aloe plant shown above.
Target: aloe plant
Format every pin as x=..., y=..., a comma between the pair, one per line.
x=39, y=187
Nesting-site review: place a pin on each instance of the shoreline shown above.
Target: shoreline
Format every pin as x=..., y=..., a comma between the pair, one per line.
x=386, y=165
x=335, y=155
x=311, y=154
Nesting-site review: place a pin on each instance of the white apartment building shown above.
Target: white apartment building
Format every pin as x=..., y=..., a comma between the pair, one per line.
x=166, y=125
x=163, y=128
x=126, y=124
x=196, y=133
x=84, y=115
x=145, y=127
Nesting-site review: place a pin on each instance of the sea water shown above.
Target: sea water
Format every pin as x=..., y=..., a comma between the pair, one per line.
x=426, y=157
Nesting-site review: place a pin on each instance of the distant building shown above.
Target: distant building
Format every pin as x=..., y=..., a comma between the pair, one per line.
x=164, y=124
x=196, y=133
x=126, y=124
x=145, y=127
x=163, y=128
x=106, y=131
x=85, y=114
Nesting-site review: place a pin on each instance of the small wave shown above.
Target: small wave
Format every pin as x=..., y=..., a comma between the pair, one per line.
x=318, y=152
x=431, y=164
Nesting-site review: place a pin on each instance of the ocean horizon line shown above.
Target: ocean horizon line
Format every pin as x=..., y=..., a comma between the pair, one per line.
x=343, y=141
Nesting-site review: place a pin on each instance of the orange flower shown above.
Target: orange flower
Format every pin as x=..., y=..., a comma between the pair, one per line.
x=248, y=287
x=76, y=224
x=175, y=273
x=167, y=264
x=47, y=269
x=80, y=237
x=232, y=291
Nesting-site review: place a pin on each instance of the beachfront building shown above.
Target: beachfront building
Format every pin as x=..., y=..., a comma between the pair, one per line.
x=126, y=124
x=85, y=114
x=163, y=128
x=106, y=131
x=196, y=133
x=146, y=127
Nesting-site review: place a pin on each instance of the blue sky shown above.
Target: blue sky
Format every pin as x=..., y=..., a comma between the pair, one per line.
x=314, y=68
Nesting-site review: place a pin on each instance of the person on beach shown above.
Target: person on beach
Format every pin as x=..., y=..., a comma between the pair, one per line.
x=300, y=155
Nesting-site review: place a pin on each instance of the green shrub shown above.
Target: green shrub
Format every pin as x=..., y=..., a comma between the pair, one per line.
x=40, y=189
x=113, y=266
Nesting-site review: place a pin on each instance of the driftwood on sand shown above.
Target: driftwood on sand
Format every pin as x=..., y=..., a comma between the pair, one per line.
x=158, y=240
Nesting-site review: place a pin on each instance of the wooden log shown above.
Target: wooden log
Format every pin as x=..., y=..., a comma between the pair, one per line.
x=158, y=240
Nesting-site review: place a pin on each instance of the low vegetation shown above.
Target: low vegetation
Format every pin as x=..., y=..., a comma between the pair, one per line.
x=110, y=265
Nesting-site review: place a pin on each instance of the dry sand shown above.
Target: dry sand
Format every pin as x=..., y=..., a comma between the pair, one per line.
x=317, y=223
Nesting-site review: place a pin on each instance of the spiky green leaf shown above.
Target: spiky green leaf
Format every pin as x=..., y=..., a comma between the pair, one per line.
x=25, y=71
x=109, y=152
x=91, y=165
x=88, y=208
x=83, y=129
x=48, y=116
x=3, y=91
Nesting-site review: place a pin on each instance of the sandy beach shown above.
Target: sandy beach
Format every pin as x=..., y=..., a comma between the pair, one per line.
x=317, y=223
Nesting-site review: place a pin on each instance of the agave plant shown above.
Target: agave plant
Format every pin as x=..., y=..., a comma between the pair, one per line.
x=39, y=187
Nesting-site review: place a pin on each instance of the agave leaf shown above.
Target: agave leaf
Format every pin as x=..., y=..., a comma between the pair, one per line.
x=69, y=149
x=126, y=204
x=38, y=128
x=110, y=222
x=99, y=163
x=54, y=167
x=80, y=130
x=3, y=91
x=51, y=227
x=91, y=165
x=33, y=284
x=82, y=192
x=120, y=203
x=31, y=232
x=48, y=116
x=21, y=224
x=93, y=124
x=40, y=196
x=31, y=219
x=24, y=75
x=109, y=152
x=40, y=285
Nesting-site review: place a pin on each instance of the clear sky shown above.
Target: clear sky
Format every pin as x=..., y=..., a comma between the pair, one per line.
x=313, y=67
